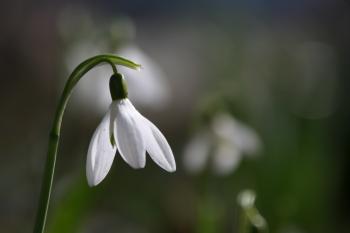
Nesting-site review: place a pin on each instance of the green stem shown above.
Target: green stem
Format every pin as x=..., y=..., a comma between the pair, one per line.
x=244, y=226
x=49, y=171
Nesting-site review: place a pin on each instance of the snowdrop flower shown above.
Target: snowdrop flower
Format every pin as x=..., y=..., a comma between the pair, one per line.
x=124, y=129
x=223, y=143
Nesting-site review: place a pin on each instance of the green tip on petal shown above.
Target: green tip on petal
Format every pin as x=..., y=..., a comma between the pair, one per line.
x=112, y=139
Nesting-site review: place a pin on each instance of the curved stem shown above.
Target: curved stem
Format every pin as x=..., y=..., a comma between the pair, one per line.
x=49, y=171
x=243, y=223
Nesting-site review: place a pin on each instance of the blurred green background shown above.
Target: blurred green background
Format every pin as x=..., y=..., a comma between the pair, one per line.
x=277, y=70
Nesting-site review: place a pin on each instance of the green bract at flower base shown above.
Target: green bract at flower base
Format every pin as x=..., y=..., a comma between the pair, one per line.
x=118, y=87
x=73, y=79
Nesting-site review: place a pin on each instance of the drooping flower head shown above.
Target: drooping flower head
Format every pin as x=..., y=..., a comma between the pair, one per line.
x=124, y=129
x=223, y=143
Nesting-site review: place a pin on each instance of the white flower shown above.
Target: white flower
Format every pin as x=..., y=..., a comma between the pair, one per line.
x=226, y=128
x=223, y=143
x=133, y=134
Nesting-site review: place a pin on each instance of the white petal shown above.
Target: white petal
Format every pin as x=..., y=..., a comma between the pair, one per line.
x=224, y=127
x=128, y=134
x=226, y=158
x=247, y=139
x=100, y=154
x=158, y=147
x=197, y=152
x=229, y=129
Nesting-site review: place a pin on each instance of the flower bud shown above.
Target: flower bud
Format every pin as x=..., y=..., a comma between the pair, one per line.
x=118, y=87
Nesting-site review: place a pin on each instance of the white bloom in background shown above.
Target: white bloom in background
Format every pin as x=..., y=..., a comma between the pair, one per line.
x=196, y=152
x=223, y=144
x=124, y=129
x=226, y=128
x=149, y=88
x=226, y=158
x=91, y=95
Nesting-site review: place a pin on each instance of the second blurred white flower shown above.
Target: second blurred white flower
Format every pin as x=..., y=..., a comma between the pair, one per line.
x=222, y=144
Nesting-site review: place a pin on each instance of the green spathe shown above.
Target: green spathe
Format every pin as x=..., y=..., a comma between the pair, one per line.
x=118, y=87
